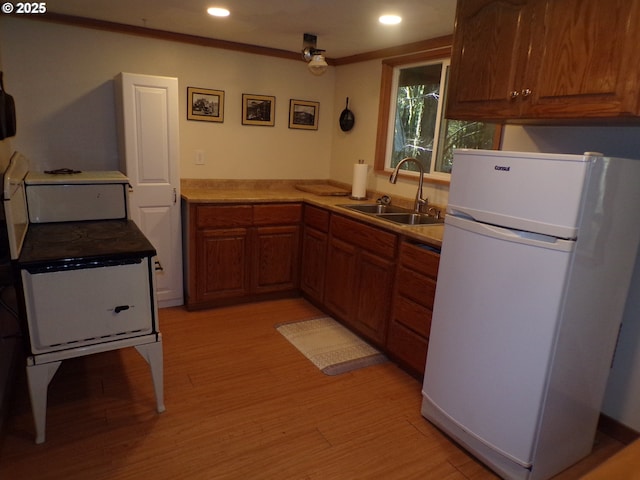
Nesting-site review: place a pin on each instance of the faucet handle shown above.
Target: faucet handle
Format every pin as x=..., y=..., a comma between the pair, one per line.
x=434, y=212
x=384, y=200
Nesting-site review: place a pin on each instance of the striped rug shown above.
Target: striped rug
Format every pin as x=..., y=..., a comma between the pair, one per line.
x=329, y=346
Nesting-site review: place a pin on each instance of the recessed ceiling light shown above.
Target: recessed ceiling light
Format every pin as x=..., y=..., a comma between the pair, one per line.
x=390, y=19
x=218, y=12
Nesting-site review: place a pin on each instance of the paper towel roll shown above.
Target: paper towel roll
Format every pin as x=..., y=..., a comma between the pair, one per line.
x=359, y=185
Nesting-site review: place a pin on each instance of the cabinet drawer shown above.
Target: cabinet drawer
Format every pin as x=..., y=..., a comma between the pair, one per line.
x=412, y=315
x=277, y=214
x=407, y=347
x=223, y=216
x=370, y=238
x=316, y=218
x=420, y=259
x=419, y=288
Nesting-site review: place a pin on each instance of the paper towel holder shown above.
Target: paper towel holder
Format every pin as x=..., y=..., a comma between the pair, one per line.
x=359, y=192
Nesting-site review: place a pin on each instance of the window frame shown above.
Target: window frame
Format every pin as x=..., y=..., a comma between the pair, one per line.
x=385, y=108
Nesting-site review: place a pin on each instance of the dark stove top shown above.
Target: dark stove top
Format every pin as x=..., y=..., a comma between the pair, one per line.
x=90, y=241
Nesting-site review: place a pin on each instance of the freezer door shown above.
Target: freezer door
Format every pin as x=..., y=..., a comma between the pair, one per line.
x=498, y=303
x=526, y=191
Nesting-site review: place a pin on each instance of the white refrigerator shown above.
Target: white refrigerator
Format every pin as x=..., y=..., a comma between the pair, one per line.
x=537, y=256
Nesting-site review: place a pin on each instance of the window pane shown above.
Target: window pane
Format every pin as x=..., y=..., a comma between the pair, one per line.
x=417, y=98
x=460, y=134
x=418, y=128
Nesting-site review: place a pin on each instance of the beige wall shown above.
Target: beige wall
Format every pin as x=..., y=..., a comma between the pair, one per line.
x=361, y=83
x=62, y=81
x=62, y=76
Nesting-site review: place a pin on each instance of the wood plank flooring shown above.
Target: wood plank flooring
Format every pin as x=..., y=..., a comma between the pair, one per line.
x=242, y=403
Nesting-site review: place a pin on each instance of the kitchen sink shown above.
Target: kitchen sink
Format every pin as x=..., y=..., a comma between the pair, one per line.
x=377, y=209
x=411, y=218
x=391, y=213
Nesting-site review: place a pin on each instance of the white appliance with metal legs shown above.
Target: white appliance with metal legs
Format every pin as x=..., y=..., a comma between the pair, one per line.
x=537, y=257
x=86, y=272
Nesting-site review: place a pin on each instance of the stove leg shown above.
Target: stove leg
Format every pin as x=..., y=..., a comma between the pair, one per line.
x=38, y=378
x=152, y=353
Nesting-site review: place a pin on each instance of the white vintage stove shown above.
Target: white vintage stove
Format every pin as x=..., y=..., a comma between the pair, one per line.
x=86, y=273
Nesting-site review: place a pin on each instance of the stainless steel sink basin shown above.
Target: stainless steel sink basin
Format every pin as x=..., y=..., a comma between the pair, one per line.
x=376, y=208
x=411, y=218
x=391, y=213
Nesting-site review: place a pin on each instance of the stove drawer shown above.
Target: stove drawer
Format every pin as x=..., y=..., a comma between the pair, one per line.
x=75, y=308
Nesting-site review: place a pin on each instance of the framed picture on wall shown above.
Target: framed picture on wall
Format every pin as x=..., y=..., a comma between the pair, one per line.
x=303, y=114
x=205, y=105
x=258, y=110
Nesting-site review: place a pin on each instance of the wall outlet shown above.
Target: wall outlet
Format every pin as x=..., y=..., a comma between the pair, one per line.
x=199, y=157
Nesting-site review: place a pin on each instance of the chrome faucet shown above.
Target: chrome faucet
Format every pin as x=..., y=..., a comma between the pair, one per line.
x=420, y=202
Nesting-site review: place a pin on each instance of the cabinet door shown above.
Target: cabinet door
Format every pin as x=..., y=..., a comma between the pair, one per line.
x=490, y=43
x=375, y=280
x=275, y=260
x=314, y=256
x=340, y=292
x=222, y=263
x=585, y=59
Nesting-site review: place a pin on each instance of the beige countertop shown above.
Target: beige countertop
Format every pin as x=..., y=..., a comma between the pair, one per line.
x=205, y=191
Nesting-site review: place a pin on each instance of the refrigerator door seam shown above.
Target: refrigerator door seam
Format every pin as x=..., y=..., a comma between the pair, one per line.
x=511, y=235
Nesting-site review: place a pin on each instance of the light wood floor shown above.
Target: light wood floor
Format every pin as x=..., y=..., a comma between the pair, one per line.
x=242, y=403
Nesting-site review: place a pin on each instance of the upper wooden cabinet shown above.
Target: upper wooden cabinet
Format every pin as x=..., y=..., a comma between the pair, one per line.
x=541, y=61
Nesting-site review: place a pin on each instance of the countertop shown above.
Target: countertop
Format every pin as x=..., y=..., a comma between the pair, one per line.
x=194, y=191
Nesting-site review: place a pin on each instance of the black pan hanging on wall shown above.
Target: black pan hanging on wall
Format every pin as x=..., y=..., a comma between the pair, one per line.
x=346, y=118
x=7, y=113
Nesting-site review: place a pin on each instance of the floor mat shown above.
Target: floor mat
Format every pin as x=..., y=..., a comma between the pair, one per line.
x=331, y=347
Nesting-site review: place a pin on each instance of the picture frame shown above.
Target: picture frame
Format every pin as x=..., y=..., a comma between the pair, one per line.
x=258, y=110
x=303, y=114
x=205, y=104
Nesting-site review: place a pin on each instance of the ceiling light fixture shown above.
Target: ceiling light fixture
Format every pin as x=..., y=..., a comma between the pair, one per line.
x=218, y=12
x=317, y=63
x=390, y=19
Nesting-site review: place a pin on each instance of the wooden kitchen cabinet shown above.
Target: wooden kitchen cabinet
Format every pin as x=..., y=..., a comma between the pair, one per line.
x=415, y=288
x=360, y=271
x=314, y=252
x=241, y=253
x=221, y=250
x=541, y=61
x=276, y=244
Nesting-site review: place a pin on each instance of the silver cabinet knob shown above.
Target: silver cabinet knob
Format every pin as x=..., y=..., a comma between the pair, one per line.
x=526, y=92
x=514, y=94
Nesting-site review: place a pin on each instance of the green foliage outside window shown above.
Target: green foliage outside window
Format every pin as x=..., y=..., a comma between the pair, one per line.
x=420, y=127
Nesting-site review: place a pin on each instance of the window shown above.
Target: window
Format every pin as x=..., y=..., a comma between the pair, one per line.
x=414, y=97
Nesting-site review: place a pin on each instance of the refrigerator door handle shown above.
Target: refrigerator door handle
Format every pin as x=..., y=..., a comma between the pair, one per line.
x=509, y=235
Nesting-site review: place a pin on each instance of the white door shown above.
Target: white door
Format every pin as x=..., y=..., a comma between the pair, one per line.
x=149, y=146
